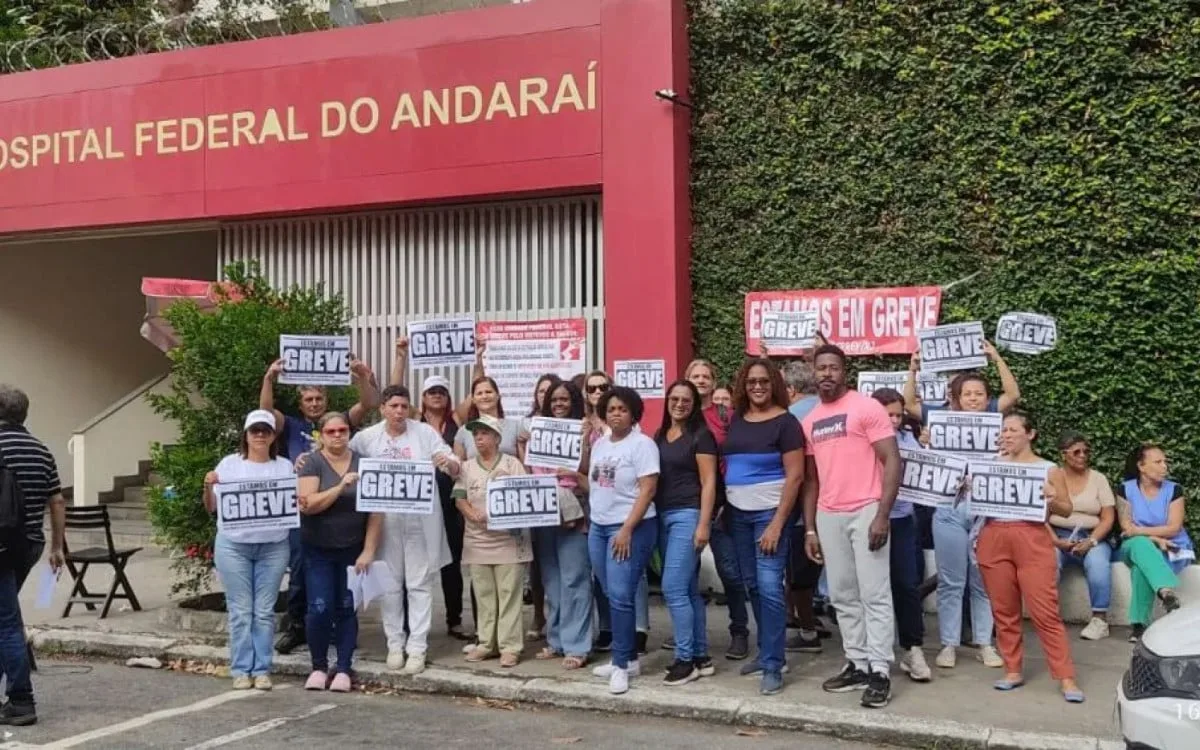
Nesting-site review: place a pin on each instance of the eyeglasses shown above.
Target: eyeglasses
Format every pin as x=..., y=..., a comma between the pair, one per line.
x=751, y=382
x=597, y=388
x=260, y=430
x=1080, y=452
x=334, y=432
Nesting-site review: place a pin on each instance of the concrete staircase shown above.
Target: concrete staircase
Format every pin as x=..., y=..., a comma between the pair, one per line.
x=126, y=503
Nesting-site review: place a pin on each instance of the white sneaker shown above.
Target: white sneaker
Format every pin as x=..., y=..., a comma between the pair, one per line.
x=395, y=660
x=618, y=681
x=1096, y=630
x=468, y=648
x=915, y=666
x=990, y=657
x=947, y=658
x=415, y=664
x=605, y=671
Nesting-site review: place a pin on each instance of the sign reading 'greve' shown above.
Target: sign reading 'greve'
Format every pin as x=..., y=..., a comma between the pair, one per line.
x=1026, y=333
x=646, y=376
x=952, y=347
x=257, y=505
x=966, y=433
x=789, y=332
x=396, y=486
x=434, y=343
x=522, y=502
x=554, y=443
x=315, y=360
x=930, y=478
x=1009, y=490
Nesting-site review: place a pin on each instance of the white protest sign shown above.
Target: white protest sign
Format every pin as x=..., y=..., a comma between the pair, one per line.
x=519, y=352
x=434, y=343
x=930, y=478
x=789, y=329
x=966, y=433
x=932, y=386
x=646, y=376
x=396, y=486
x=522, y=502
x=315, y=360
x=554, y=443
x=257, y=505
x=1026, y=333
x=1004, y=489
x=952, y=347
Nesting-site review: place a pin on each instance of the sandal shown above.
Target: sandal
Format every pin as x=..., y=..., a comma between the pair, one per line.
x=479, y=653
x=546, y=654
x=574, y=662
x=508, y=661
x=534, y=635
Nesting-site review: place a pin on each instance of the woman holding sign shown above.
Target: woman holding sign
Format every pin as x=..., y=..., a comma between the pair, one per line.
x=624, y=478
x=485, y=399
x=1156, y=546
x=250, y=561
x=687, y=491
x=336, y=537
x=562, y=551
x=1020, y=567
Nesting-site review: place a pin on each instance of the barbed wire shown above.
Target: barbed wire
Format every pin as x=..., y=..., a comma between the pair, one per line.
x=111, y=41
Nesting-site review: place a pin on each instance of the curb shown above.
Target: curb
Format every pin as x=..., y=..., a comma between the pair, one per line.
x=773, y=713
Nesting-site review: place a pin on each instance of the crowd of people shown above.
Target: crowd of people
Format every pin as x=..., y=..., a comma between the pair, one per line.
x=788, y=474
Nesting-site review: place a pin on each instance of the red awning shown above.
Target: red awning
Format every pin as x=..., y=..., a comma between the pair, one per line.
x=161, y=294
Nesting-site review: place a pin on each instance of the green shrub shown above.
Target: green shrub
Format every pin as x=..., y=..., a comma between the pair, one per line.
x=217, y=371
x=1054, y=148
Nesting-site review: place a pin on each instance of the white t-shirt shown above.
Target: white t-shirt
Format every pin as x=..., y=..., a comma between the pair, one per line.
x=616, y=469
x=420, y=442
x=234, y=468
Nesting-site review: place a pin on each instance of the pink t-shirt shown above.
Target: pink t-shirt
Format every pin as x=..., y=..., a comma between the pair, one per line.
x=840, y=436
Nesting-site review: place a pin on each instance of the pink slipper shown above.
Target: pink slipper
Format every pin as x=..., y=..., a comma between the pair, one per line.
x=341, y=683
x=316, y=681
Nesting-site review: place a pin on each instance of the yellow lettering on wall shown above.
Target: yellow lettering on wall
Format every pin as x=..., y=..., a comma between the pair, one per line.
x=191, y=134
x=243, y=128
x=460, y=113
x=218, y=129
x=591, y=85
x=501, y=101
x=143, y=134
x=91, y=146
x=406, y=111
x=436, y=107
x=333, y=119
x=364, y=115
x=109, y=151
x=167, y=132
x=294, y=133
x=39, y=147
x=20, y=151
x=533, y=91
x=568, y=93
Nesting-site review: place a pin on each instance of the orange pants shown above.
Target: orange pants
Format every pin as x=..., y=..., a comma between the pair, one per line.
x=1018, y=561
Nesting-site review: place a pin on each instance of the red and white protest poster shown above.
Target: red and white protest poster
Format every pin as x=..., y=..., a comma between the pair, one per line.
x=861, y=321
x=518, y=352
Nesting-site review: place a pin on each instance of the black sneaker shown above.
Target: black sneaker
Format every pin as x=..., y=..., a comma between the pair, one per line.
x=669, y=644
x=739, y=648
x=603, y=641
x=799, y=644
x=18, y=714
x=1136, y=634
x=292, y=639
x=681, y=673
x=849, y=679
x=878, y=692
x=705, y=666
x=1169, y=599
x=641, y=642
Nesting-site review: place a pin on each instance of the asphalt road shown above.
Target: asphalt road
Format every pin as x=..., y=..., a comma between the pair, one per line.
x=103, y=706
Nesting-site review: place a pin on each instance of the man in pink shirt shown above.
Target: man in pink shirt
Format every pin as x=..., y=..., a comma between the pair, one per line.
x=851, y=478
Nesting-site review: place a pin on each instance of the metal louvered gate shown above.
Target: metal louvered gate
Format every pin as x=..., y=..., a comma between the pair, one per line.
x=498, y=261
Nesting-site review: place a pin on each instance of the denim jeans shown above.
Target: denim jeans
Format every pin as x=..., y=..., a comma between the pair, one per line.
x=906, y=581
x=681, y=581
x=1097, y=567
x=14, y=656
x=251, y=574
x=604, y=616
x=956, y=572
x=566, y=568
x=297, y=601
x=763, y=576
x=331, y=615
x=621, y=581
x=726, y=561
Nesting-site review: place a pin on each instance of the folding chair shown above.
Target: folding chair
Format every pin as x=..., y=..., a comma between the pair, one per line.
x=90, y=518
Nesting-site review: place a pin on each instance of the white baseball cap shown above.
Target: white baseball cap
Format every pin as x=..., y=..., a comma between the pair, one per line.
x=435, y=381
x=260, y=416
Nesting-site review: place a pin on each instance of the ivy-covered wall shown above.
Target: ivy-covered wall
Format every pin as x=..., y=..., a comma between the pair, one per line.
x=1053, y=147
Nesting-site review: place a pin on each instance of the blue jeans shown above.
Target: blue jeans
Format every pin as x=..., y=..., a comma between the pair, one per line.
x=1097, y=567
x=297, y=601
x=331, y=615
x=906, y=581
x=14, y=657
x=681, y=582
x=956, y=572
x=604, y=616
x=563, y=557
x=251, y=574
x=763, y=576
x=726, y=561
x=620, y=580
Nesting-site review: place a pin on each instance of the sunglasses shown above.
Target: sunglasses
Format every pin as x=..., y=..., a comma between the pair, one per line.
x=335, y=431
x=438, y=392
x=751, y=382
x=597, y=388
x=260, y=430
x=1080, y=452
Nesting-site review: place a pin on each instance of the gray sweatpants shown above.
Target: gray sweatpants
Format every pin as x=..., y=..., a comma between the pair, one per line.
x=860, y=587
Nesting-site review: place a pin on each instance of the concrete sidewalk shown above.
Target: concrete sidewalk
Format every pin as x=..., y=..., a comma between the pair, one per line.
x=959, y=704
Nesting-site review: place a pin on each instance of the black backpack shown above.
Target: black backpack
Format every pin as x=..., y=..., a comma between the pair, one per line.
x=12, y=516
